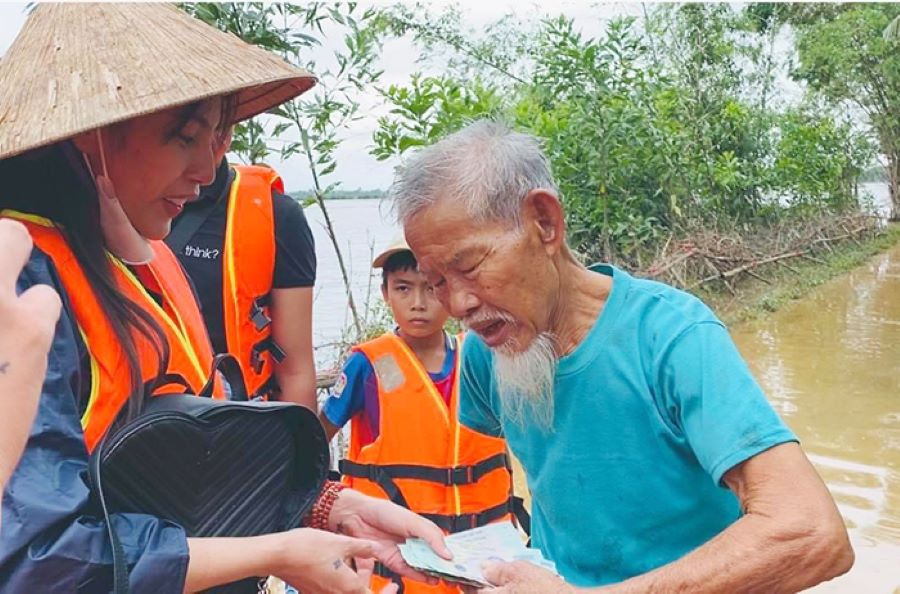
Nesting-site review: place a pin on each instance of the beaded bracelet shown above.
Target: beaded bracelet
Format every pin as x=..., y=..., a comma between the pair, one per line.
x=321, y=509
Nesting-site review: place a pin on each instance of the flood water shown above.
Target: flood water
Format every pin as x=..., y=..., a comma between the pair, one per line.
x=830, y=364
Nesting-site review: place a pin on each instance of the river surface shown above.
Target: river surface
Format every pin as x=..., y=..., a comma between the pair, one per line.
x=830, y=364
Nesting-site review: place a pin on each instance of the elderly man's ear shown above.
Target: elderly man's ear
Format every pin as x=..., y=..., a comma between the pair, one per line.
x=542, y=211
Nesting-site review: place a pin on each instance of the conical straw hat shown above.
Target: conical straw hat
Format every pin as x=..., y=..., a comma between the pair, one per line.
x=76, y=67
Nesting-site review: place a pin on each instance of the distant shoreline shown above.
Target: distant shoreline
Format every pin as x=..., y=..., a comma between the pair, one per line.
x=303, y=195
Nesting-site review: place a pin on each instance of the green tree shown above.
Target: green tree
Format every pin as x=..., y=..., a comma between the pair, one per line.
x=846, y=56
x=651, y=128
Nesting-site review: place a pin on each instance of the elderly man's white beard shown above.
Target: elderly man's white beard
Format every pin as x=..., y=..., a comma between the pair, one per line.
x=525, y=381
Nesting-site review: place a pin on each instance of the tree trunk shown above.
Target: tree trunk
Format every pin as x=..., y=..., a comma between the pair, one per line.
x=894, y=185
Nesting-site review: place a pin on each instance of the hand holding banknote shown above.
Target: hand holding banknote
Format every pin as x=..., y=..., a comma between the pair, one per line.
x=520, y=577
x=386, y=525
x=473, y=549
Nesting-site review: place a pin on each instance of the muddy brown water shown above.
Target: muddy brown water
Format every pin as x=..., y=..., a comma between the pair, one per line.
x=830, y=364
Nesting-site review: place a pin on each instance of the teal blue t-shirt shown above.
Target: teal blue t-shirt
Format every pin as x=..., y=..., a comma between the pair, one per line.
x=650, y=410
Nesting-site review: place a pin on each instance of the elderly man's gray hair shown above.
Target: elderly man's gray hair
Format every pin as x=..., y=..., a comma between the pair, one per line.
x=485, y=166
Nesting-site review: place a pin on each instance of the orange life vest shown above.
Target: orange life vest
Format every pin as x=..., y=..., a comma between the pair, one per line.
x=423, y=458
x=190, y=356
x=248, y=269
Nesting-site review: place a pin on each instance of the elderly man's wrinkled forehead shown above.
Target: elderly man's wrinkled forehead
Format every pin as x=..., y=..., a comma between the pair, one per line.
x=443, y=233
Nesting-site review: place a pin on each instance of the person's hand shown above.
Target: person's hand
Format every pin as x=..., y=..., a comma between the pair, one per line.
x=387, y=525
x=317, y=562
x=27, y=324
x=521, y=577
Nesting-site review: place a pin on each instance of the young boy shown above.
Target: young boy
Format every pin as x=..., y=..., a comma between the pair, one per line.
x=400, y=393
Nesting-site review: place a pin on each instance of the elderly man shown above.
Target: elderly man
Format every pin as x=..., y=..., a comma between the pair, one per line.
x=654, y=461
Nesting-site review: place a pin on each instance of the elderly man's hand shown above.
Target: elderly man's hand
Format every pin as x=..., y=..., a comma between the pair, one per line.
x=521, y=577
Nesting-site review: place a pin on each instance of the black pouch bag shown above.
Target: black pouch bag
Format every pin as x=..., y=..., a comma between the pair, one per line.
x=215, y=467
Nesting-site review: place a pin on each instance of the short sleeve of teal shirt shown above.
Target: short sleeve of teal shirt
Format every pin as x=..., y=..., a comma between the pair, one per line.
x=711, y=397
x=650, y=411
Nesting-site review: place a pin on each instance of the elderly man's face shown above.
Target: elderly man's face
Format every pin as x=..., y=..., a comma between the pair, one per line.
x=500, y=281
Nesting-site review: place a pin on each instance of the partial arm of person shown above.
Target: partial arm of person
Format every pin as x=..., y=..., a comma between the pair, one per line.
x=348, y=395
x=310, y=560
x=791, y=537
x=314, y=560
x=292, y=298
x=330, y=428
x=292, y=330
x=28, y=322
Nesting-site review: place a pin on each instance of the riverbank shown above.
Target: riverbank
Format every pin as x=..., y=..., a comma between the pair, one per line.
x=755, y=297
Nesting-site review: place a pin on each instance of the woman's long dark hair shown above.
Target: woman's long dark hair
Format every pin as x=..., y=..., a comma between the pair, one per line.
x=53, y=182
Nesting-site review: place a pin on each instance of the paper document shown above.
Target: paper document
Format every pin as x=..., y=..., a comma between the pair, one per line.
x=471, y=548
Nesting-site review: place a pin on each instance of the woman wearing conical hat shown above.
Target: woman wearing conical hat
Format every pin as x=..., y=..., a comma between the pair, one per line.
x=108, y=118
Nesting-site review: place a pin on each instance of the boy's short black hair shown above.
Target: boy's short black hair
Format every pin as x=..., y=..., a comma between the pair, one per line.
x=400, y=261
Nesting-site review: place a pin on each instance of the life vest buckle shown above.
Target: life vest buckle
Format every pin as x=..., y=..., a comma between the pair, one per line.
x=256, y=360
x=459, y=475
x=267, y=345
x=461, y=522
x=259, y=317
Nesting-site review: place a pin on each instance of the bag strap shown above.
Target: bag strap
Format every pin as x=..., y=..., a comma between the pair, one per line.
x=189, y=223
x=120, y=567
x=231, y=371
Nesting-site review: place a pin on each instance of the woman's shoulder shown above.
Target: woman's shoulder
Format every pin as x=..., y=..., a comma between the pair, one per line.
x=39, y=270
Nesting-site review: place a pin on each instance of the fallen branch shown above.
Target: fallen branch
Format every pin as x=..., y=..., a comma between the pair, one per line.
x=654, y=272
x=701, y=254
x=736, y=271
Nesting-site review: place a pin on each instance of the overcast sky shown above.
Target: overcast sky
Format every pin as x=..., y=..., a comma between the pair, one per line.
x=356, y=168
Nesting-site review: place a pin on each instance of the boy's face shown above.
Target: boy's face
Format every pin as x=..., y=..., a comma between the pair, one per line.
x=411, y=299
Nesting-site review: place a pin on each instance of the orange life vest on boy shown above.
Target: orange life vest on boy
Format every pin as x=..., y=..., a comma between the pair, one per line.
x=248, y=268
x=423, y=459
x=190, y=353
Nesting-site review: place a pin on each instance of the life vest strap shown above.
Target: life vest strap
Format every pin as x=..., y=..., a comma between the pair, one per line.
x=522, y=516
x=378, y=475
x=458, y=523
x=269, y=391
x=447, y=476
x=382, y=571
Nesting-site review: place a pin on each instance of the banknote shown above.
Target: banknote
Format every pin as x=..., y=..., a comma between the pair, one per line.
x=471, y=549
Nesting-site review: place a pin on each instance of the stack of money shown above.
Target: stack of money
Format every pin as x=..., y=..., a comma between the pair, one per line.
x=471, y=549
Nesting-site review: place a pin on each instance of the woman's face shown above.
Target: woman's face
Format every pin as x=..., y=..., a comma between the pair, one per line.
x=158, y=162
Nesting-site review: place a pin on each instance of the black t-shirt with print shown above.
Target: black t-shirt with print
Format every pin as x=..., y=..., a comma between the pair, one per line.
x=295, y=256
